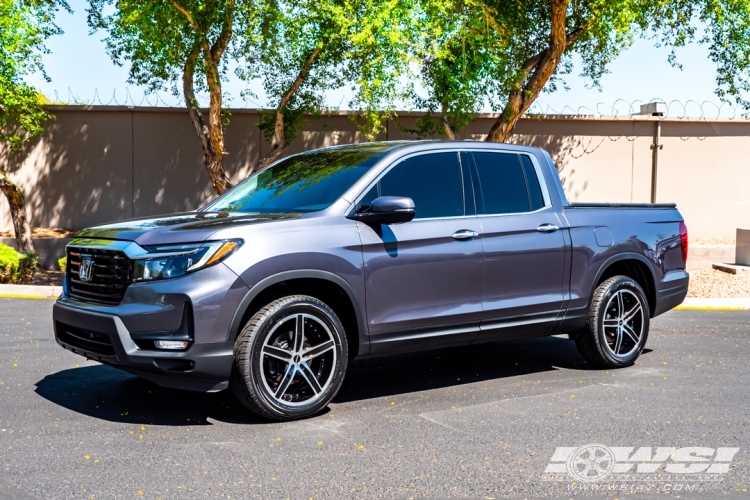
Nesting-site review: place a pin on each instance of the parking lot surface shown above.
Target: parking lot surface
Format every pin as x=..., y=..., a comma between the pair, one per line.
x=481, y=421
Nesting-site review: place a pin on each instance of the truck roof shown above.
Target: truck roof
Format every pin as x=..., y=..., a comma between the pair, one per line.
x=430, y=144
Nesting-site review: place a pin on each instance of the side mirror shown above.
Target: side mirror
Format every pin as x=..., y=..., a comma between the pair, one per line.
x=387, y=210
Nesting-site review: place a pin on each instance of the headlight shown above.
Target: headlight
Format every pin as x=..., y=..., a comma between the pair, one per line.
x=171, y=261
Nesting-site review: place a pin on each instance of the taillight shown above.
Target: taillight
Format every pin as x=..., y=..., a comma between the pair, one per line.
x=684, y=241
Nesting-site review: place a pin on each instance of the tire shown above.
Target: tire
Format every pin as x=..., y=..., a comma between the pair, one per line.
x=281, y=375
x=619, y=312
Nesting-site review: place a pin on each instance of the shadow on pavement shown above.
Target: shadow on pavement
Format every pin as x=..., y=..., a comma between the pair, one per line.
x=405, y=373
x=114, y=395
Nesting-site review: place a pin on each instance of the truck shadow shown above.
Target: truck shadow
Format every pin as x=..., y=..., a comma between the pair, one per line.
x=407, y=373
x=110, y=394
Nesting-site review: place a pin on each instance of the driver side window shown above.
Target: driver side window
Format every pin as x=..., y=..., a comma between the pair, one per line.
x=434, y=181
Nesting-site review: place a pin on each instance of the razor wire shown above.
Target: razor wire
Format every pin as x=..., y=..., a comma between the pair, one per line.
x=675, y=109
x=619, y=109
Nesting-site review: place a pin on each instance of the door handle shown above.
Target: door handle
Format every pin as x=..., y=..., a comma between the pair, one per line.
x=547, y=228
x=465, y=234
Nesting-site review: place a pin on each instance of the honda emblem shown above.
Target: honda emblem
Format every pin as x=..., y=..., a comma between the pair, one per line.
x=86, y=272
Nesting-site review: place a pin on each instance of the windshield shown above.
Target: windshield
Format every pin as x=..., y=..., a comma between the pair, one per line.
x=301, y=183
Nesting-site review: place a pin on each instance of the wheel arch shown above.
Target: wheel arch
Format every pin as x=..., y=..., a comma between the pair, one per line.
x=634, y=266
x=313, y=282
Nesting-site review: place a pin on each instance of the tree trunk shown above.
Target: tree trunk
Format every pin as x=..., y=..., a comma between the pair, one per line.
x=279, y=145
x=543, y=66
x=447, y=129
x=17, y=203
x=211, y=135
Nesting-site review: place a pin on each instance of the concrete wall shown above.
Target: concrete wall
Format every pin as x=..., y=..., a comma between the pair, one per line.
x=99, y=164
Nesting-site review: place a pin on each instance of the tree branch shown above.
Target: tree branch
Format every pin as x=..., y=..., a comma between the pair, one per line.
x=301, y=77
x=541, y=67
x=447, y=129
x=218, y=48
x=196, y=27
x=191, y=103
x=188, y=15
x=278, y=145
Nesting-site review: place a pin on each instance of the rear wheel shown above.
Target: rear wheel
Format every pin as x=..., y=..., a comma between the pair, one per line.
x=618, y=324
x=290, y=359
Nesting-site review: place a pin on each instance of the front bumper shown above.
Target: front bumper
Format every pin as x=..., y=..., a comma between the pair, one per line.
x=103, y=337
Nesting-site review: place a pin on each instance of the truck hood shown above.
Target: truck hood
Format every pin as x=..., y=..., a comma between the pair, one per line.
x=179, y=228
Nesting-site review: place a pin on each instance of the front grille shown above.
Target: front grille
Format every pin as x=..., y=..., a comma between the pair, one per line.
x=96, y=342
x=110, y=275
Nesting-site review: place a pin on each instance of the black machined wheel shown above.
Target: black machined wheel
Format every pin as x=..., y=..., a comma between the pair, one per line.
x=290, y=359
x=618, y=324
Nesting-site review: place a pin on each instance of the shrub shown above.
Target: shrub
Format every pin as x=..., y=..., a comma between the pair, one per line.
x=62, y=263
x=8, y=264
x=17, y=267
x=28, y=264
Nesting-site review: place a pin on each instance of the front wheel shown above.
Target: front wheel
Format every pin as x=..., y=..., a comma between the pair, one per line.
x=618, y=324
x=290, y=359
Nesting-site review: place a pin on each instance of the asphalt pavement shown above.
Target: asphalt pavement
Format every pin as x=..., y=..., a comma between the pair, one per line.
x=486, y=421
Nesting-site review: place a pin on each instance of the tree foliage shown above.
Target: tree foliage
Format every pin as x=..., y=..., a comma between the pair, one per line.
x=726, y=33
x=504, y=54
x=309, y=47
x=24, y=27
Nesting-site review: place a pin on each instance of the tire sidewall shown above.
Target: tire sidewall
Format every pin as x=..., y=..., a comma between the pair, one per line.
x=328, y=317
x=623, y=283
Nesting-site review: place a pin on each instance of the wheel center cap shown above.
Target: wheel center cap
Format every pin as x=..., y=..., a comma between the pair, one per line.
x=296, y=358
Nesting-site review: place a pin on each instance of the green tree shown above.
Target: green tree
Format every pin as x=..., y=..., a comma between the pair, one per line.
x=312, y=46
x=504, y=54
x=24, y=26
x=168, y=42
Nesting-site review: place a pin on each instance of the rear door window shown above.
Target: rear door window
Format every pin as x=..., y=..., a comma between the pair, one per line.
x=532, y=180
x=502, y=184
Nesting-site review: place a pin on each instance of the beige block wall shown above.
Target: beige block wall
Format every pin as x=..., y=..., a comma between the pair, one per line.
x=109, y=163
x=705, y=169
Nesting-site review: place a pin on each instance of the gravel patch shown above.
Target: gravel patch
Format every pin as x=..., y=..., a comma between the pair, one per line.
x=710, y=283
x=712, y=241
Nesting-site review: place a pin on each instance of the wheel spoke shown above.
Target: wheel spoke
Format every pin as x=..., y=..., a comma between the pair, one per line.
x=277, y=352
x=316, y=351
x=630, y=315
x=618, y=341
x=610, y=323
x=620, y=305
x=285, y=381
x=309, y=377
x=299, y=333
x=631, y=333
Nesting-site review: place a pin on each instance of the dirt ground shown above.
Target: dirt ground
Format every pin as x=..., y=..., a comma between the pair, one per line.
x=48, y=278
x=43, y=232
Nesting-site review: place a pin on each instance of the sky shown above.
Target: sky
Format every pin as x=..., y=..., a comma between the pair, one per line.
x=82, y=72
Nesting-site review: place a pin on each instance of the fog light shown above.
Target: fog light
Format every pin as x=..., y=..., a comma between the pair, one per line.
x=171, y=344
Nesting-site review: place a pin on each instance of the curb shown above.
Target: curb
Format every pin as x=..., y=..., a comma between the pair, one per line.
x=697, y=304
x=29, y=292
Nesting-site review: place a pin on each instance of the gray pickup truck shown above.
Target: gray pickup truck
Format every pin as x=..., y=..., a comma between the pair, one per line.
x=365, y=250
